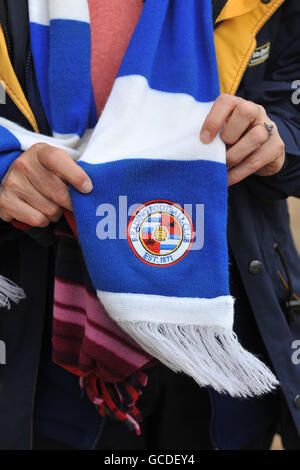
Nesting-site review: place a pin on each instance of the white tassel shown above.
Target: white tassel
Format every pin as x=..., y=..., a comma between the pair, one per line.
x=213, y=356
x=10, y=292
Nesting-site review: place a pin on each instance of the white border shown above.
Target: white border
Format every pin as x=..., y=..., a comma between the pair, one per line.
x=162, y=309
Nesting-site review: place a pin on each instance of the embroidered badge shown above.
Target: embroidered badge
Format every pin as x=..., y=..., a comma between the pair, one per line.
x=160, y=233
x=260, y=54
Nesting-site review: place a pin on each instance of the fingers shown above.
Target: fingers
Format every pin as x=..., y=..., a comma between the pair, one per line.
x=21, y=201
x=248, y=144
x=244, y=115
x=57, y=161
x=35, y=188
x=17, y=209
x=49, y=185
x=267, y=160
x=216, y=118
x=232, y=115
x=37, y=201
x=4, y=215
x=250, y=148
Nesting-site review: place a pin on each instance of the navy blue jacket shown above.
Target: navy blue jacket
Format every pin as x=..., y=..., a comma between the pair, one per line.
x=260, y=245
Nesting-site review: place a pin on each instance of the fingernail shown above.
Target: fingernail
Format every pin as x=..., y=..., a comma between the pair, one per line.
x=205, y=136
x=87, y=186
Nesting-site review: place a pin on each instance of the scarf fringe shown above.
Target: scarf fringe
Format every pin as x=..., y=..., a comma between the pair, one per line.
x=213, y=356
x=10, y=292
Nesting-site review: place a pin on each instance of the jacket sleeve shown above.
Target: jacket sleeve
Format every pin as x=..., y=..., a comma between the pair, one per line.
x=280, y=97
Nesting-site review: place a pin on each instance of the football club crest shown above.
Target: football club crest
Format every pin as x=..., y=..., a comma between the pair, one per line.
x=160, y=233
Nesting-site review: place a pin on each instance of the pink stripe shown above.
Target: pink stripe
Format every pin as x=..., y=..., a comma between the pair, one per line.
x=74, y=294
x=69, y=316
x=98, y=337
x=112, y=344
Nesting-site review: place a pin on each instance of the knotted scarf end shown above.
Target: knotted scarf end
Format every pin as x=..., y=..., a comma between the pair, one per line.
x=10, y=292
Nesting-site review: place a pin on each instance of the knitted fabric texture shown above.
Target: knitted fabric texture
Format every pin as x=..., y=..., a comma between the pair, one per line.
x=164, y=280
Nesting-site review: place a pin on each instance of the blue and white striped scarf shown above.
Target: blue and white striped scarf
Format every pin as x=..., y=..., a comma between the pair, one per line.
x=165, y=287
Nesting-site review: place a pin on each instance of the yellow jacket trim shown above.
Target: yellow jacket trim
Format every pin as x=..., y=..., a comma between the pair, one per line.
x=235, y=38
x=12, y=85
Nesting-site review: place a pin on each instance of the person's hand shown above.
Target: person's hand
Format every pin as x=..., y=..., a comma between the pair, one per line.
x=35, y=188
x=250, y=149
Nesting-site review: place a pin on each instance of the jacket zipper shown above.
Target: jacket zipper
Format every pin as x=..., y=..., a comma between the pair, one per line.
x=27, y=70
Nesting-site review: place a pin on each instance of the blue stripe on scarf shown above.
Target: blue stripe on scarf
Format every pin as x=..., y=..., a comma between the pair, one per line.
x=201, y=273
x=63, y=73
x=168, y=50
x=40, y=51
x=7, y=156
x=69, y=76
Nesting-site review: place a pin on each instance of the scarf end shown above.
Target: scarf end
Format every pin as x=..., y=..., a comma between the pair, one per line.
x=116, y=399
x=212, y=356
x=10, y=292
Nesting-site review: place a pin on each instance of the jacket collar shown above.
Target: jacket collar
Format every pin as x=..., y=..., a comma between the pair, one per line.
x=235, y=37
x=217, y=6
x=234, y=8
